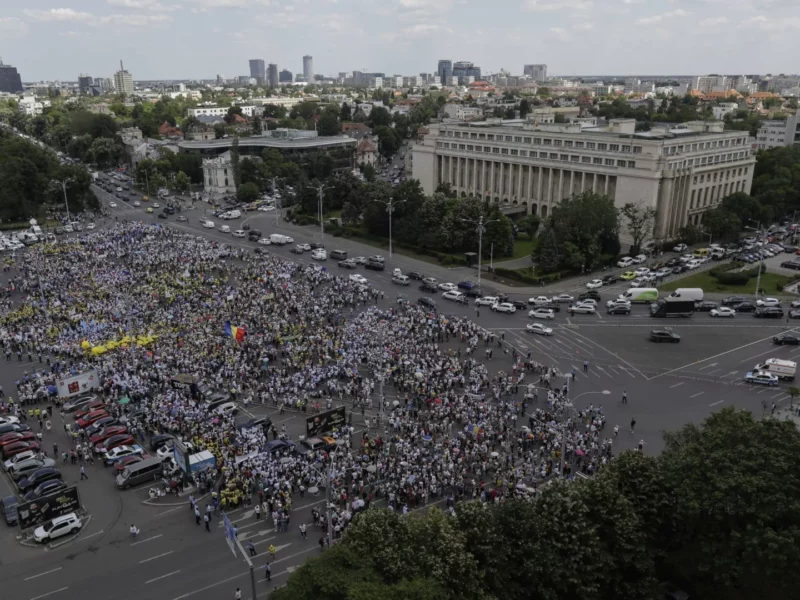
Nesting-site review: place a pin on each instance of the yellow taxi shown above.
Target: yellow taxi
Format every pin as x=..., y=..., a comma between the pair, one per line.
x=149, y=209
x=627, y=276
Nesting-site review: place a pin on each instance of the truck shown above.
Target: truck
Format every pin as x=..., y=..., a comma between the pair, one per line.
x=278, y=239
x=784, y=369
x=672, y=307
x=693, y=294
x=640, y=295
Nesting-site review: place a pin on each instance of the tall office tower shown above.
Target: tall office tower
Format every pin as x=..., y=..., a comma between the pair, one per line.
x=536, y=72
x=257, y=70
x=445, y=71
x=84, y=83
x=464, y=70
x=123, y=81
x=286, y=76
x=308, y=68
x=272, y=75
x=9, y=79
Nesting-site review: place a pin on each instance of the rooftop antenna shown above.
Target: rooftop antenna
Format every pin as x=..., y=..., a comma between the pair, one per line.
x=120, y=65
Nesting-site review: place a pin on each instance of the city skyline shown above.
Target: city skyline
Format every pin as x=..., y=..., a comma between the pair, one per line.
x=573, y=37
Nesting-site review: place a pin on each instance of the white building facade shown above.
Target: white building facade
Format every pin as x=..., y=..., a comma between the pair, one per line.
x=531, y=167
x=774, y=134
x=217, y=111
x=218, y=175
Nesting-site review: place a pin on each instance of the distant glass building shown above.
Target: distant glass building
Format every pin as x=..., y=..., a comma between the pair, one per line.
x=10, y=80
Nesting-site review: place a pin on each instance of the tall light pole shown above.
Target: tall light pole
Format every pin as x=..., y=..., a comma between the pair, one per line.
x=481, y=227
x=321, y=189
x=326, y=479
x=760, y=256
x=63, y=184
x=570, y=405
x=390, y=204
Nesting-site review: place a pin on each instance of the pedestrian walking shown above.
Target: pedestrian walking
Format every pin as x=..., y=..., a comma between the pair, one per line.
x=616, y=430
x=197, y=515
x=251, y=548
x=322, y=543
x=207, y=519
x=633, y=424
x=238, y=594
x=303, y=531
x=267, y=572
x=624, y=397
x=258, y=511
x=586, y=366
x=272, y=552
x=83, y=473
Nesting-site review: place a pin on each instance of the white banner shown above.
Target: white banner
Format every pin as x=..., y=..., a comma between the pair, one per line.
x=77, y=384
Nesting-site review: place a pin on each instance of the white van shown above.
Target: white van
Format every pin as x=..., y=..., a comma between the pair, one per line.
x=694, y=263
x=232, y=214
x=693, y=294
x=785, y=369
x=641, y=294
x=278, y=239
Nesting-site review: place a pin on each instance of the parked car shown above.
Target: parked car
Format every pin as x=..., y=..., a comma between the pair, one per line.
x=60, y=526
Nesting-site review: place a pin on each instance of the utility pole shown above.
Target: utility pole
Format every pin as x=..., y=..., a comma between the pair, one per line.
x=321, y=189
x=390, y=204
x=481, y=228
x=760, y=257
x=63, y=183
x=570, y=406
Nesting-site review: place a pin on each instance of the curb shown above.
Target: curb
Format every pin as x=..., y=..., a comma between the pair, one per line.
x=152, y=503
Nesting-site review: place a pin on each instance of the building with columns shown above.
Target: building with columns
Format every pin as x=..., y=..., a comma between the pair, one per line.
x=526, y=166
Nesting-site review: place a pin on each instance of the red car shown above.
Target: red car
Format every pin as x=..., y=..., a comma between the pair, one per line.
x=10, y=450
x=120, y=439
x=123, y=462
x=106, y=433
x=89, y=407
x=10, y=438
x=91, y=418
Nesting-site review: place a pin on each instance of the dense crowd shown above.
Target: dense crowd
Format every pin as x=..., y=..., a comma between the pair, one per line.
x=428, y=420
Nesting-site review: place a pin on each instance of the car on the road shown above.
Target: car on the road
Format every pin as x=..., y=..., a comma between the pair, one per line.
x=428, y=287
x=594, y=284
x=181, y=219
x=55, y=528
x=664, y=335
x=486, y=301
x=540, y=300
x=224, y=229
x=18, y=447
x=264, y=241
x=609, y=279
x=448, y=287
x=563, y=298
x=619, y=309
x=113, y=455
x=466, y=285
x=680, y=248
x=18, y=458
x=8, y=419
x=358, y=278
x=539, y=329
x=551, y=306
x=239, y=233
x=111, y=204
x=156, y=205
x=627, y=276
x=790, y=339
x=723, y=311
x=88, y=407
x=733, y=300
x=589, y=295
x=319, y=254
x=90, y=226
x=359, y=260
x=768, y=302
x=455, y=296
x=641, y=271
x=618, y=302
x=374, y=265
x=504, y=307
x=162, y=215
x=415, y=275
x=429, y=303
x=761, y=378
x=44, y=489
x=401, y=279
x=582, y=308
x=347, y=264
x=664, y=272
x=16, y=436
x=106, y=433
x=625, y=261
x=542, y=313
x=276, y=446
x=121, y=463
x=745, y=307
x=304, y=247
x=639, y=258
x=769, y=312
x=706, y=306
x=377, y=258
x=23, y=468
x=8, y=507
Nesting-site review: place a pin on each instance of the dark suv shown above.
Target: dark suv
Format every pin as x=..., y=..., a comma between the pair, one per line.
x=427, y=302
x=428, y=287
x=663, y=335
x=769, y=312
x=374, y=265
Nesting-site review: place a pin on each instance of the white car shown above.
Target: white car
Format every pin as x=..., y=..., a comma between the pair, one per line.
x=115, y=454
x=224, y=229
x=649, y=277
x=639, y=259
x=768, y=302
x=664, y=272
x=90, y=226
x=319, y=254
x=680, y=248
x=304, y=247
x=453, y=295
x=156, y=205
x=542, y=313
x=563, y=298
x=119, y=189
x=638, y=282
x=289, y=239
x=63, y=525
x=359, y=260
x=504, y=307
x=618, y=302
x=356, y=278
x=486, y=301
x=641, y=271
x=19, y=458
x=761, y=377
x=723, y=311
x=137, y=204
x=239, y=233
x=209, y=224
x=539, y=300
x=228, y=408
x=266, y=208
x=539, y=328
x=111, y=204
x=6, y=419
x=594, y=284
x=591, y=301
x=264, y=241
x=625, y=262
x=448, y=287
x=582, y=308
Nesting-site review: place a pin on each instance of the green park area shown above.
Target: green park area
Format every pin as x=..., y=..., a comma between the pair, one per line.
x=771, y=283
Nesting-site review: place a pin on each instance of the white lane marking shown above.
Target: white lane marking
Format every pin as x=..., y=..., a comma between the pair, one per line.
x=708, y=366
x=772, y=351
x=776, y=395
x=155, y=557
x=170, y=510
x=676, y=385
x=49, y=593
x=86, y=537
x=698, y=394
x=163, y=577
x=714, y=371
x=155, y=537
x=42, y=574
x=717, y=402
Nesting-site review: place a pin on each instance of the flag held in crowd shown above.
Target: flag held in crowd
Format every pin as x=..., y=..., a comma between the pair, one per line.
x=236, y=333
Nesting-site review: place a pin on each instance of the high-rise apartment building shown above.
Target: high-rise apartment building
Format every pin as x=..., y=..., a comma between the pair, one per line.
x=9, y=79
x=272, y=75
x=257, y=70
x=84, y=83
x=535, y=72
x=465, y=70
x=680, y=171
x=445, y=71
x=123, y=81
x=308, y=68
x=711, y=83
x=286, y=76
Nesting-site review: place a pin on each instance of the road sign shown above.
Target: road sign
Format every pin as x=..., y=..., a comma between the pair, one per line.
x=230, y=533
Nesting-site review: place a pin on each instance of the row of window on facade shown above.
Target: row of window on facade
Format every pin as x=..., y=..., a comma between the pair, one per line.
x=608, y=162
x=713, y=194
x=702, y=178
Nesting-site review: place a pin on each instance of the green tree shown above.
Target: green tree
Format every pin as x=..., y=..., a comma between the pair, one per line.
x=379, y=117
x=721, y=224
x=181, y=183
x=524, y=108
x=329, y=123
x=586, y=227
x=233, y=112
x=247, y=192
x=251, y=171
x=103, y=151
x=274, y=111
x=549, y=257
x=639, y=221
x=530, y=224
x=236, y=162
x=255, y=125
x=388, y=141
x=219, y=131
x=345, y=113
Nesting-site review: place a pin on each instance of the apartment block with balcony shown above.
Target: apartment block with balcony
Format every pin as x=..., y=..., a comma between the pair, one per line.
x=526, y=166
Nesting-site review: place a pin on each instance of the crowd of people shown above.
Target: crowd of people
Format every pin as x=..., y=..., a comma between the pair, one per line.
x=428, y=420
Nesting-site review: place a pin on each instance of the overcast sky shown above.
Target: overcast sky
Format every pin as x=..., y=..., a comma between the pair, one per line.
x=184, y=39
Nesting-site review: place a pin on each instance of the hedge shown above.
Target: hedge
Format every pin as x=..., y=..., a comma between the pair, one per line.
x=517, y=275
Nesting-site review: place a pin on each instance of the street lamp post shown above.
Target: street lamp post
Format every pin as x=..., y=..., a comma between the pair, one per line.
x=63, y=183
x=481, y=227
x=570, y=406
x=321, y=189
x=326, y=479
x=760, y=256
x=390, y=204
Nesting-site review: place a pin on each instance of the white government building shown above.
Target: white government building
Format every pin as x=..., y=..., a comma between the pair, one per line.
x=679, y=170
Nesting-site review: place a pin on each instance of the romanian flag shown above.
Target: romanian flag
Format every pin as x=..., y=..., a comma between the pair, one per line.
x=236, y=333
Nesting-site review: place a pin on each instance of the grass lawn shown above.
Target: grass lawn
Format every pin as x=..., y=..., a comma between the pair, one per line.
x=522, y=248
x=333, y=214
x=771, y=283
